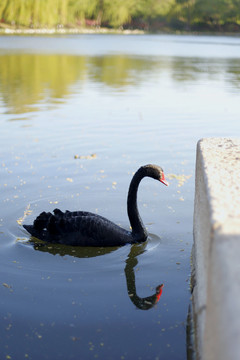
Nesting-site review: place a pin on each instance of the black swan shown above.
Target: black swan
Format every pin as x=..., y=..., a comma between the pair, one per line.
x=81, y=228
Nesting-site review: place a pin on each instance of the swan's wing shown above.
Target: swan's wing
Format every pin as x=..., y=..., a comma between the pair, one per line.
x=89, y=230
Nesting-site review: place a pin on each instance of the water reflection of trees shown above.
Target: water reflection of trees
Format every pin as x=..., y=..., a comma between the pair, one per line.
x=233, y=71
x=143, y=303
x=120, y=71
x=27, y=80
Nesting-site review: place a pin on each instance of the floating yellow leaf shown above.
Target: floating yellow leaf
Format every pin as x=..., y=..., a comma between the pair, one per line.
x=6, y=286
x=25, y=214
x=181, y=178
x=86, y=157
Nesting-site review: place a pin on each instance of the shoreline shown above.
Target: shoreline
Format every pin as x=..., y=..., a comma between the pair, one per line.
x=6, y=30
x=66, y=31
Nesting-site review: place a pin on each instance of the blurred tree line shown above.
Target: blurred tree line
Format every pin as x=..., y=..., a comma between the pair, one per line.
x=141, y=14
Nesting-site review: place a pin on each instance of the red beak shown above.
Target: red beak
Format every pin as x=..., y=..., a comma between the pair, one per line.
x=163, y=180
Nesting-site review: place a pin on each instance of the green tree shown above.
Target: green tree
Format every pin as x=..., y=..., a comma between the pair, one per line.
x=117, y=12
x=34, y=12
x=213, y=12
x=15, y=11
x=182, y=13
x=233, y=11
x=150, y=9
x=39, y=13
x=83, y=9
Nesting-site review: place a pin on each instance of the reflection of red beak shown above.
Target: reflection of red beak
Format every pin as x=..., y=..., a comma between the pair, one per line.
x=163, y=180
x=159, y=290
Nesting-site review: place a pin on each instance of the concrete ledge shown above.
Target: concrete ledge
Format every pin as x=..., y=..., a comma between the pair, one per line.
x=216, y=250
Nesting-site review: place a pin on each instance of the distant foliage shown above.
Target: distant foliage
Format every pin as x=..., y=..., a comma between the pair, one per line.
x=155, y=14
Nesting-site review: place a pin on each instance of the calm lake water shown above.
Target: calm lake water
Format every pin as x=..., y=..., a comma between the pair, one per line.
x=78, y=115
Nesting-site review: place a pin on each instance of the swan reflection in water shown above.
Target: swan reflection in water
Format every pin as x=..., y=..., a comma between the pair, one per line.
x=141, y=303
x=136, y=250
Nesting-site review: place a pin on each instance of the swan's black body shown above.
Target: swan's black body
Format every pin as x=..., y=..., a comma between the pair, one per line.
x=83, y=228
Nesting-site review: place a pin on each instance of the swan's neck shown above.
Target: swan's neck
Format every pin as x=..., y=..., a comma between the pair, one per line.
x=138, y=229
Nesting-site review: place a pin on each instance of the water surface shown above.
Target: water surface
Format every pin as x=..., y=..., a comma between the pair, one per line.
x=79, y=114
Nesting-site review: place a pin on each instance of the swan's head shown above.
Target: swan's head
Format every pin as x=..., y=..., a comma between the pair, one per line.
x=155, y=172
